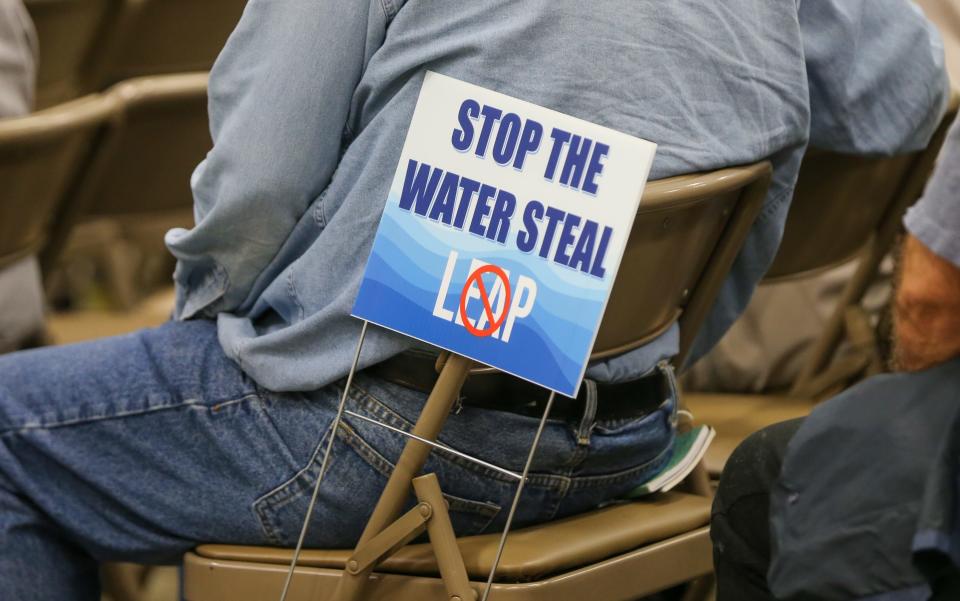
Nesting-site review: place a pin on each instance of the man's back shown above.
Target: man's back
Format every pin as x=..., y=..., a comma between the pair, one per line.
x=327, y=93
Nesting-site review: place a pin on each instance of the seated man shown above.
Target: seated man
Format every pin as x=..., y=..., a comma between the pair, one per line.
x=863, y=495
x=209, y=427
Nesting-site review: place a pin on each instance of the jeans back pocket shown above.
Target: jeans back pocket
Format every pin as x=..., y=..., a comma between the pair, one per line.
x=355, y=478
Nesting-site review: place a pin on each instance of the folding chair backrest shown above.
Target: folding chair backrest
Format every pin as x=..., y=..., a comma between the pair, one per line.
x=142, y=166
x=41, y=156
x=685, y=237
x=846, y=206
x=146, y=169
x=841, y=201
x=171, y=36
x=70, y=34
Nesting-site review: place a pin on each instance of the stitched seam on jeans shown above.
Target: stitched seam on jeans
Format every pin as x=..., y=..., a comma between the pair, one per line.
x=383, y=465
x=285, y=492
x=557, y=501
x=291, y=489
x=581, y=482
x=280, y=494
x=119, y=414
x=374, y=405
x=264, y=415
x=361, y=447
x=380, y=410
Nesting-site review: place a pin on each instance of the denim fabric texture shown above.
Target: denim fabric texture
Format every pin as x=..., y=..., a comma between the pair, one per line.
x=859, y=528
x=139, y=447
x=935, y=219
x=310, y=102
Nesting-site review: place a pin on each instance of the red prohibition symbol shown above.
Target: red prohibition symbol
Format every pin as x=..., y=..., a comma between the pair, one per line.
x=494, y=322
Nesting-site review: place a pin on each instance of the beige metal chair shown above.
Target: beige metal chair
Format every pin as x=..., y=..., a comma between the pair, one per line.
x=169, y=36
x=140, y=177
x=41, y=158
x=844, y=207
x=71, y=34
x=87, y=45
x=165, y=134
x=686, y=235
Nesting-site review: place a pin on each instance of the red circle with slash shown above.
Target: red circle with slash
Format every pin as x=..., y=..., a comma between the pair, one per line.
x=494, y=322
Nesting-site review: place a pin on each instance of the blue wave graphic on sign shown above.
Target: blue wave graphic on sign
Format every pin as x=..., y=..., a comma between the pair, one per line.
x=400, y=288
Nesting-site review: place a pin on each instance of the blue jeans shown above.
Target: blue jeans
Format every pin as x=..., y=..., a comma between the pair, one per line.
x=142, y=446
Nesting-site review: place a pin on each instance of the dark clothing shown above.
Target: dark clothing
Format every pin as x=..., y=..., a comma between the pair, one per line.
x=860, y=498
x=740, y=526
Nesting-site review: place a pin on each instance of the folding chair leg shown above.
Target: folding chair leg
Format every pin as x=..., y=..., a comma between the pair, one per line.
x=432, y=417
x=443, y=540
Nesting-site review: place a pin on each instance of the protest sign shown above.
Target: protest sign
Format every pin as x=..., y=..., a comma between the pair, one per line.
x=503, y=231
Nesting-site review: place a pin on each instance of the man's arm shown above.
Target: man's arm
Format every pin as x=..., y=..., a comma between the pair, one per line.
x=927, y=302
x=876, y=73
x=927, y=309
x=280, y=95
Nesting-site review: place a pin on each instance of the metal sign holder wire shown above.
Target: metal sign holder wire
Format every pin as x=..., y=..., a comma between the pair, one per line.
x=385, y=532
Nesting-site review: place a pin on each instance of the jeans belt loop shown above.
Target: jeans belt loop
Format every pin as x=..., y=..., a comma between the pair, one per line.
x=589, y=413
x=667, y=369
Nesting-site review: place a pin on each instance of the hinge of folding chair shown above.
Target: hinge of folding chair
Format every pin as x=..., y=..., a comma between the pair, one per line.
x=430, y=514
x=408, y=527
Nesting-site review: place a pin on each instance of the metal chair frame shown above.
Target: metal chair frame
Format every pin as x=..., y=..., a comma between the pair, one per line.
x=386, y=532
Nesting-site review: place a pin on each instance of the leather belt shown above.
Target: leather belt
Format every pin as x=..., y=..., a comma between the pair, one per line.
x=500, y=391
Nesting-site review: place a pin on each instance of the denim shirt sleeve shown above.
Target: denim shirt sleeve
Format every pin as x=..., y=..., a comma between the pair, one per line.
x=876, y=70
x=279, y=99
x=935, y=219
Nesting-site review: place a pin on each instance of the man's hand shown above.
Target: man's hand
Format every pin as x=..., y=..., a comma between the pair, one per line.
x=927, y=309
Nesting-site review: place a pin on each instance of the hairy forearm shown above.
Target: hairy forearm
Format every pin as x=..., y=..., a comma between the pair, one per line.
x=927, y=309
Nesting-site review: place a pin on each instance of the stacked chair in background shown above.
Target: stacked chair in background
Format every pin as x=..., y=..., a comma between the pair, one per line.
x=103, y=246
x=87, y=45
x=844, y=207
x=138, y=185
x=42, y=162
x=121, y=123
x=126, y=154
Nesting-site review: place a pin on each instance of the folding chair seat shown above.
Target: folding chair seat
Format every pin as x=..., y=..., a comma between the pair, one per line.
x=140, y=177
x=581, y=556
x=844, y=207
x=41, y=158
x=619, y=552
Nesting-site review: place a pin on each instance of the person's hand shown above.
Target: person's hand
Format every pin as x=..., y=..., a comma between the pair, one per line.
x=926, y=310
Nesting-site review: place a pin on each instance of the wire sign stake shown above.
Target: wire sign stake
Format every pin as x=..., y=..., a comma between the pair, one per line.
x=499, y=242
x=324, y=464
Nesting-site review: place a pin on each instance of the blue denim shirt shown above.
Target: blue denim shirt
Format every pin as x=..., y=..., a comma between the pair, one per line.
x=310, y=101
x=935, y=219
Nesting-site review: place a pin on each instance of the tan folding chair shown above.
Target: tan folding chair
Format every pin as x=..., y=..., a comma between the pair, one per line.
x=844, y=207
x=686, y=235
x=169, y=36
x=41, y=158
x=71, y=36
x=140, y=177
